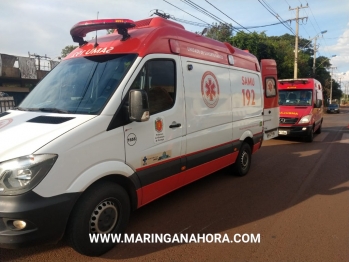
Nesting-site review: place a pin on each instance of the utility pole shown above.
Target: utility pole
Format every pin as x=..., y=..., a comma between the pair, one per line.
x=332, y=67
x=296, y=42
x=315, y=50
x=340, y=87
x=38, y=57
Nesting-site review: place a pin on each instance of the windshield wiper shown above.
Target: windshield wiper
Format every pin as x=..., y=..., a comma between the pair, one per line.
x=21, y=108
x=27, y=109
x=53, y=110
x=44, y=109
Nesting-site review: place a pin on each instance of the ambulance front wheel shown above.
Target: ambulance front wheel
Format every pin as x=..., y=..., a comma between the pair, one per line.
x=243, y=161
x=104, y=208
x=309, y=138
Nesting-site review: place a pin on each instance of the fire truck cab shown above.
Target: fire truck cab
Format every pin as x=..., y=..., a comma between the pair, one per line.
x=123, y=120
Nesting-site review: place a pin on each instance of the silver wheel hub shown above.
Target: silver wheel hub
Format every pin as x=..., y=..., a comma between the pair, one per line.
x=244, y=160
x=104, y=217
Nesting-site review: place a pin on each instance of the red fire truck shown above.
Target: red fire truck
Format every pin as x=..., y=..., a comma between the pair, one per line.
x=301, y=107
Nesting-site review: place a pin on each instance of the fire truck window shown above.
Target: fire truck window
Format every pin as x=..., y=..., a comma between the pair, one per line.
x=157, y=78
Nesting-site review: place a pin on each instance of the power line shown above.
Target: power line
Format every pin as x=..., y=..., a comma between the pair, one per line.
x=168, y=16
x=204, y=24
x=207, y=13
x=228, y=16
x=250, y=27
x=186, y=12
x=204, y=11
x=270, y=8
x=273, y=12
x=314, y=17
x=310, y=20
x=188, y=22
x=277, y=17
x=318, y=27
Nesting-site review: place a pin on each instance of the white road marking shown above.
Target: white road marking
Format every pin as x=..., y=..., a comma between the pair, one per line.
x=345, y=138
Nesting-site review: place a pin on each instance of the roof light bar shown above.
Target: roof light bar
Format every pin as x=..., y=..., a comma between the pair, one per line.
x=298, y=80
x=79, y=31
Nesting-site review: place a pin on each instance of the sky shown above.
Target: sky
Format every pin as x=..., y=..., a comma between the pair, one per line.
x=43, y=26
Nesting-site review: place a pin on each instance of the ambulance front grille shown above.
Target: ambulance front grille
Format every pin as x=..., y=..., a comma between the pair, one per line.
x=287, y=120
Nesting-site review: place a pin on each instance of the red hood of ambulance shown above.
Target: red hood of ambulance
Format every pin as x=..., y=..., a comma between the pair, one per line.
x=295, y=111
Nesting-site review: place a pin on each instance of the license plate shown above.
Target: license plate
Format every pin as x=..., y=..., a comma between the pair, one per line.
x=271, y=134
x=281, y=132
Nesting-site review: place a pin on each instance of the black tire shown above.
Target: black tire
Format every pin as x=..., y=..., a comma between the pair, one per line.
x=243, y=161
x=318, y=131
x=310, y=137
x=105, y=202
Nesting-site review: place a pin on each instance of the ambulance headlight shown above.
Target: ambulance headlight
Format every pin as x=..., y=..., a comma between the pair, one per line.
x=305, y=119
x=22, y=174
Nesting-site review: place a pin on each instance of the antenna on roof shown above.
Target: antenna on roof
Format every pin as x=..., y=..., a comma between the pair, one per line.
x=96, y=44
x=204, y=31
x=163, y=15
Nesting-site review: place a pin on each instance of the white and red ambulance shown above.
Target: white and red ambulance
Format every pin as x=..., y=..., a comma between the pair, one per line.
x=123, y=120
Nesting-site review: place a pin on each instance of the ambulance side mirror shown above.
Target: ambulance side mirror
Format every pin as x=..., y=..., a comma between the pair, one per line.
x=138, y=106
x=318, y=103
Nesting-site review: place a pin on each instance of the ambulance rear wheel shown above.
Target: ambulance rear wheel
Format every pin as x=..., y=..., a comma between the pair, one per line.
x=243, y=161
x=104, y=208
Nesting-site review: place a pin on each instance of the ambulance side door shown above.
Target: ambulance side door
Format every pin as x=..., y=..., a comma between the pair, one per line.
x=209, y=118
x=271, y=104
x=247, y=104
x=153, y=147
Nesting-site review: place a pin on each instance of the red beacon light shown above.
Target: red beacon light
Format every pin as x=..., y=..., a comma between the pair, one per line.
x=79, y=31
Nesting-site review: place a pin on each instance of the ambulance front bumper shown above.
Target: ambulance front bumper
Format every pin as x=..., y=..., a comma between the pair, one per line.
x=44, y=219
x=295, y=131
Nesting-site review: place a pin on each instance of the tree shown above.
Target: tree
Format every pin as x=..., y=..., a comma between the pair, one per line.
x=255, y=43
x=67, y=50
x=220, y=32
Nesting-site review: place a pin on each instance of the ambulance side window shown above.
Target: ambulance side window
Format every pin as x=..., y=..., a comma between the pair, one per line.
x=157, y=78
x=270, y=86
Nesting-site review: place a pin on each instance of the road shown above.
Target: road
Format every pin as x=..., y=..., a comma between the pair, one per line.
x=296, y=197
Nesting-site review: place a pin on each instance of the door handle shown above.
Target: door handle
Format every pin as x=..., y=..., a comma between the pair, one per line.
x=174, y=125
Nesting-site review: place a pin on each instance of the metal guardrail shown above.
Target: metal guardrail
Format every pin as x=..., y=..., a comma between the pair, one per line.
x=6, y=103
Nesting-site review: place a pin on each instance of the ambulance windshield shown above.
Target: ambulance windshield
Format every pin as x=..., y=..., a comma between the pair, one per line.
x=295, y=97
x=79, y=86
